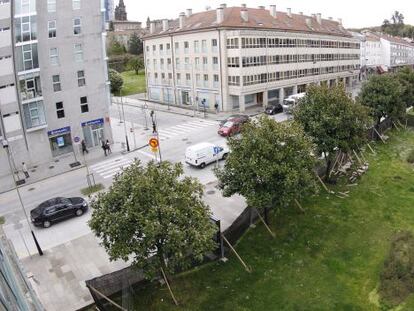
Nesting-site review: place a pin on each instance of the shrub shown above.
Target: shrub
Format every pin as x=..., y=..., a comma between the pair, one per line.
x=410, y=158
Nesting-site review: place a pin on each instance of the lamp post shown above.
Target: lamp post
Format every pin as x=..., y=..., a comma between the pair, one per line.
x=125, y=129
x=6, y=146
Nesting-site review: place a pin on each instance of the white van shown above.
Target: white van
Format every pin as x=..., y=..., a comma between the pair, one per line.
x=205, y=153
x=290, y=102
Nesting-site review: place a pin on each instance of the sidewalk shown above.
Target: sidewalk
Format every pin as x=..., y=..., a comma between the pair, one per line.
x=140, y=100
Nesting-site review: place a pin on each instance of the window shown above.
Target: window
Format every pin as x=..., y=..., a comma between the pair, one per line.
x=34, y=114
x=59, y=110
x=77, y=26
x=215, y=62
x=51, y=26
x=84, y=104
x=56, y=83
x=78, y=50
x=196, y=46
x=186, y=46
x=204, y=46
x=215, y=80
x=25, y=28
x=168, y=47
x=81, y=78
x=51, y=6
x=54, y=56
x=214, y=45
x=76, y=4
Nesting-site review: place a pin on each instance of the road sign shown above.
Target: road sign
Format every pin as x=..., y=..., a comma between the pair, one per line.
x=76, y=140
x=153, y=142
x=216, y=150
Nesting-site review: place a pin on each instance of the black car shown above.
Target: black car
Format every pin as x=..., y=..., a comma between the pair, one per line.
x=274, y=109
x=240, y=117
x=57, y=209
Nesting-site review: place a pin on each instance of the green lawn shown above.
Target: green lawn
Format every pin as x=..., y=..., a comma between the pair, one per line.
x=133, y=83
x=327, y=259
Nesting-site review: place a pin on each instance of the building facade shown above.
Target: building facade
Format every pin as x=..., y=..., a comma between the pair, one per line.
x=54, y=88
x=233, y=58
x=120, y=11
x=122, y=32
x=109, y=10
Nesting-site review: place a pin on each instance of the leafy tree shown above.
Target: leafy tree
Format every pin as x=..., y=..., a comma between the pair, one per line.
x=270, y=165
x=116, y=81
x=135, y=45
x=136, y=63
x=406, y=78
x=396, y=28
x=333, y=120
x=383, y=94
x=154, y=217
x=116, y=48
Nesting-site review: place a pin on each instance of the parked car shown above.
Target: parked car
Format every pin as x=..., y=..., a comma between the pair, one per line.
x=57, y=209
x=244, y=118
x=230, y=128
x=202, y=154
x=291, y=102
x=274, y=109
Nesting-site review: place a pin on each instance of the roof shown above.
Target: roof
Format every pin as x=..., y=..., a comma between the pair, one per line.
x=394, y=39
x=257, y=19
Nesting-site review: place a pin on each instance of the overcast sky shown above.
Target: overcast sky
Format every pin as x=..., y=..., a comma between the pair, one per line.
x=355, y=13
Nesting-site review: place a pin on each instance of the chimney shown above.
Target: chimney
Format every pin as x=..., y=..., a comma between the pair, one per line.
x=244, y=15
x=223, y=5
x=181, y=20
x=220, y=15
x=319, y=18
x=188, y=12
x=340, y=21
x=309, y=22
x=330, y=18
x=273, y=10
x=289, y=12
x=152, y=27
x=314, y=16
x=243, y=5
x=300, y=13
x=261, y=7
x=165, y=25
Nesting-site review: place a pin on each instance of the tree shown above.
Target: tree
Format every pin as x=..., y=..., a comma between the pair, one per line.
x=154, y=217
x=116, y=48
x=136, y=63
x=116, y=81
x=333, y=120
x=406, y=78
x=383, y=94
x=270, y=165
x=135, y=45
x=396, y=28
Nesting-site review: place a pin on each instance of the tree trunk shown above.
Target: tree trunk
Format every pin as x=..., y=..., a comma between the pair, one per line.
x=266, y=216
x=328, y=161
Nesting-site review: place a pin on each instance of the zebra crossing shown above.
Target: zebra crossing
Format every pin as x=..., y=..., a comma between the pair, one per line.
x=108, y=169
x=184, y=128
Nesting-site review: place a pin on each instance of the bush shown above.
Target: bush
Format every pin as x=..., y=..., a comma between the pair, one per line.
x=116, y=81
x=410, y=158
x=397, y=277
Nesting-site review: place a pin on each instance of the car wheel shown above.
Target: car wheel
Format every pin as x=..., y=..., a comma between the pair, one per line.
x=225, y=156
x=79, y=212
x=47, y=224
x=202, y=165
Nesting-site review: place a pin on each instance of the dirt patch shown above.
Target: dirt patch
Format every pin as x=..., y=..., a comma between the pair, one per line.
x=397, y=277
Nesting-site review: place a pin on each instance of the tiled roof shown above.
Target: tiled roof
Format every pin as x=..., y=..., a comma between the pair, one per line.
x=257, y=19
x=393, y=39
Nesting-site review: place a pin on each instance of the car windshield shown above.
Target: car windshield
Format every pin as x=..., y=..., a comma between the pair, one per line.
x=289, y=102
x=228, y=124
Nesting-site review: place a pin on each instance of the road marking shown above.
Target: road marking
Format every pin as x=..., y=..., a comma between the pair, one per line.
x=149, y=155
x=114, y=166
x=103, y=163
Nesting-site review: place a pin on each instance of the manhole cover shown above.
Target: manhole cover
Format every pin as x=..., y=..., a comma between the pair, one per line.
x=35, y=166
x=211, y=192
x=56, y=161
x=184, y=139
x=33, y=171
x=50, y=167
x=31, y=189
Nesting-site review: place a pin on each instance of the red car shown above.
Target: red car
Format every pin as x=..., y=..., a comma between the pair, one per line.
x=230, y=128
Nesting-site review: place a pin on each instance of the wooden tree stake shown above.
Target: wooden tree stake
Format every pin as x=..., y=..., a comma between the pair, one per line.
x=356, y=154
x=267, y=227
x=106, y=298
x=300, y=206
x=380, y=136
x=395, y=125
x=372, y=150
x=333, y=166
x=323, y=184
x=237, y=255
x=168, y=285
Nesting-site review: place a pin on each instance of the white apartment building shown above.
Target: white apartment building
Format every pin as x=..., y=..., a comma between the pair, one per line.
x=54, y=88
x=237, y=57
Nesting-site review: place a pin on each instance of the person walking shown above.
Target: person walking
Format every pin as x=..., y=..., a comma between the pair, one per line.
x=25, y=171
x=104, y=147
x=108, y=146
x=84, y=149
x=216, y=106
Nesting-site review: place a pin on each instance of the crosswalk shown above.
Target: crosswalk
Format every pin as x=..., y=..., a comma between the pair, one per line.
x=184, y=128
x=108, y=169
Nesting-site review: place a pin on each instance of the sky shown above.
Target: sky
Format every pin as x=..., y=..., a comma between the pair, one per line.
x=354, y=13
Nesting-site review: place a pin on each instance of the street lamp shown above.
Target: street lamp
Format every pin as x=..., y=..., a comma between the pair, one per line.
x=125, y=129
x=6, y=146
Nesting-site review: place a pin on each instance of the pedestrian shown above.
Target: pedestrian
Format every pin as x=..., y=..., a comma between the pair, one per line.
x=108, y=146
x=104, y=147
x=25, y=171
x=84, y=149
x=216, y=106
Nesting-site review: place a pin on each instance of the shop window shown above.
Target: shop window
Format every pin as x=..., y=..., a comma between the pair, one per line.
x=84, y=104
x=59, y=110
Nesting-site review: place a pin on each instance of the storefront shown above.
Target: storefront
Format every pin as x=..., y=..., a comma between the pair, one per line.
x=60, y=141
x=93, y=132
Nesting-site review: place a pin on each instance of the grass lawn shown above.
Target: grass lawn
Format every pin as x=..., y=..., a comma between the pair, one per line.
x=327, y=259
x=133, y=83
